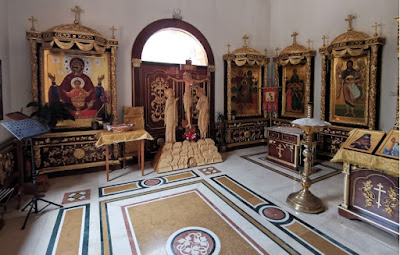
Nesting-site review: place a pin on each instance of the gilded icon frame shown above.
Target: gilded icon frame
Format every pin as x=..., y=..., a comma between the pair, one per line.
x=98, y=64
x=296, y=89
x=375, y=138
x=249, y=85
x=83, y=43
x=358, y=47
x=381, y=151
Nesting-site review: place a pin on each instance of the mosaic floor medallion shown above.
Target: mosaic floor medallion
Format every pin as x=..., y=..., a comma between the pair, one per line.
x=209, y=170
x=274, y=213
x=152, y=182
x=76, y=196
x=193, y=240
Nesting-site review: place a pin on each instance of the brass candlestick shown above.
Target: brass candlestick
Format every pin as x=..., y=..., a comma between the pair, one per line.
x=304, y=200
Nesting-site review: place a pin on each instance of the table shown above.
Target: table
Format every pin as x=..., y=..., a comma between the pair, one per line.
x=107, y=137
x=371, y=189
x=284, y=145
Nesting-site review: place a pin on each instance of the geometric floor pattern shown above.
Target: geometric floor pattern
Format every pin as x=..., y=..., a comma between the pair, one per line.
x=120, y=188
x=76, y=196
x=203, y=217
x=319, y=171
x=209, y=170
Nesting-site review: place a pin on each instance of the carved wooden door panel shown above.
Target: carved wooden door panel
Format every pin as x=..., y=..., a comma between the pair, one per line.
x=153, y=79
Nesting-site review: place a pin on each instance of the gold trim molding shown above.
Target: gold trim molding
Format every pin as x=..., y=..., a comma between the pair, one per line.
x=295, y=54
x=136, y=62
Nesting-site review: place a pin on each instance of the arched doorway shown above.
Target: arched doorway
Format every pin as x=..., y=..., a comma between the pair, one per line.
x=153, y=68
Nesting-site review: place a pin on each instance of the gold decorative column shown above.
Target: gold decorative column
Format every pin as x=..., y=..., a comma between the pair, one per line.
x=229, y=92
x=323, y=85
x=346, y=188
x=304, y=200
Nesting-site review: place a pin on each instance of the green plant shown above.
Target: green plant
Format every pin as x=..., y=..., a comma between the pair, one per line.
x=51, y=114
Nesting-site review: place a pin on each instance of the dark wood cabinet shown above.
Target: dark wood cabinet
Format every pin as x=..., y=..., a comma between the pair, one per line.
x=69, y=151
x=284, y=145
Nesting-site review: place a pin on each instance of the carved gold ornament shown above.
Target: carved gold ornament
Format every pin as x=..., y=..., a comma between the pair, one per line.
x=79, y=153
x=7, y=164
x=158, y=86
x=368, y=194
x=391, y=202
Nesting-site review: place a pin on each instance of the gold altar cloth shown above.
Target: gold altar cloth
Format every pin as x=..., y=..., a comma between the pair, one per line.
x=108, y=137
x=381, y=164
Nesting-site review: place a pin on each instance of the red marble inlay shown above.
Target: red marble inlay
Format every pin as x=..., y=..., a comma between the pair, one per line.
x=152, y=182
x=273, y=213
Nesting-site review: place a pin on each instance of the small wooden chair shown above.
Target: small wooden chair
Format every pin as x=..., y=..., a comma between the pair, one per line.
x=133, y=115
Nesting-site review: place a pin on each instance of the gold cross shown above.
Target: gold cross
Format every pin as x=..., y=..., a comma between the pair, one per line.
x=294, y=37
x=309, y=43
x=277, y=51
x=266, y=52
x=32, y=19
x=376, y=29
x=350, y=19
x=245, y=37
x=280, y=149
x=380, y=191
x=229, y=47
x=324, y=38
x=113, y=29
x=77, y=10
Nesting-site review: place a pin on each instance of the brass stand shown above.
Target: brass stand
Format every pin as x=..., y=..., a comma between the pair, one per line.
x=304, y=200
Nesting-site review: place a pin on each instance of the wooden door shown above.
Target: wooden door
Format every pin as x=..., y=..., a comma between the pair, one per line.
x=151, y=80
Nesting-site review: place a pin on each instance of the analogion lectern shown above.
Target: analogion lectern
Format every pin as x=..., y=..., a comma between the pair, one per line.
x=27, y=129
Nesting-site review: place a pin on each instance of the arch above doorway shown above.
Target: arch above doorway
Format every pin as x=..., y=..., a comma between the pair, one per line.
x=175, y=46
x=156, y=26
x=150, y=79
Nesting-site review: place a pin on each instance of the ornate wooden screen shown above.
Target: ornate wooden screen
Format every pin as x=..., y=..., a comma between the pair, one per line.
x=154, y=79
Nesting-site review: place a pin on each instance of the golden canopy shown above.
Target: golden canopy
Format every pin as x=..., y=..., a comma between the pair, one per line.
x=293, y=54
x=247, y=55
x=66, y=36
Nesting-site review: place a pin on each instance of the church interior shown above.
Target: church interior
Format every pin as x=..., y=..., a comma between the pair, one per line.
x=199, y=127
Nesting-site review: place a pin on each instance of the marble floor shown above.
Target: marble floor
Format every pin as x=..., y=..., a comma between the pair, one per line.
x=234, y=207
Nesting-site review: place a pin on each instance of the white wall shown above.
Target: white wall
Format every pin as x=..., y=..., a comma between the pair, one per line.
x=268, y=23
x=4, y=57
x=314, y=18
x=221, y=22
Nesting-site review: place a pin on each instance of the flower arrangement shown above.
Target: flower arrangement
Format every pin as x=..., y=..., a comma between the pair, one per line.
x=189, y=136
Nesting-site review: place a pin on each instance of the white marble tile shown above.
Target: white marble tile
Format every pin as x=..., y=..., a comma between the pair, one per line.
x=358, y=236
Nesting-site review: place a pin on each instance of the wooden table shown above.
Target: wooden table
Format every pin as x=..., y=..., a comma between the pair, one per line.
x=106, y=138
